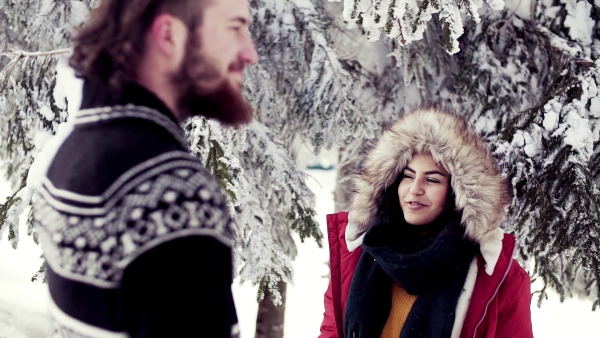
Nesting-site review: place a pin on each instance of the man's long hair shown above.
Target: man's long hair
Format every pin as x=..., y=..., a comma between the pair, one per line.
x=111, y=44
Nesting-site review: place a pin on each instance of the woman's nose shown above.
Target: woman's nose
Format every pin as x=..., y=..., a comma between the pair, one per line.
x=416, y=188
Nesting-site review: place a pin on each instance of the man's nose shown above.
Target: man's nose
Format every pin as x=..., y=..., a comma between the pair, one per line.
x=248, y=54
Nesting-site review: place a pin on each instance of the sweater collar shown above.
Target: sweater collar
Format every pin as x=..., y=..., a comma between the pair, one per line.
x=97, y=95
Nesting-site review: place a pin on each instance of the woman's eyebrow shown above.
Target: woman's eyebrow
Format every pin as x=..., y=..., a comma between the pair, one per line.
x=432, y=172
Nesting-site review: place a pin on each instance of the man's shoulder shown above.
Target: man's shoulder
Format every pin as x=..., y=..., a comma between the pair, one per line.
x=165, y=198
x=172, y=198
x=107, y=142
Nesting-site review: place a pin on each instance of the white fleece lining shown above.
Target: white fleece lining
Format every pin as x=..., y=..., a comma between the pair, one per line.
x=465, y=299
x=490, y=247
x=353, y=240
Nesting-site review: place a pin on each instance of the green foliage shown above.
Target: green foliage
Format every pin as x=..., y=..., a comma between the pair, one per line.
x=219, y=169
x=305, y=225
x=40, y=274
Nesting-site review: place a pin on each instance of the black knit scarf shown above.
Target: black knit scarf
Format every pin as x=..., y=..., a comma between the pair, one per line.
x=432, y=267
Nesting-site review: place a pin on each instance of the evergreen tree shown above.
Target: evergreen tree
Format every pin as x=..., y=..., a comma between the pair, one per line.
x=299, y=90
x=527, y=78
x=30, y=112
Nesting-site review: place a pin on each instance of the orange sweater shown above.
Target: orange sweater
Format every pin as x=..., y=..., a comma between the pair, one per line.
x=402, y=302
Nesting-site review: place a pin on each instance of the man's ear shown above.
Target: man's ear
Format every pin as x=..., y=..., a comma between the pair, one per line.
x=169, y=35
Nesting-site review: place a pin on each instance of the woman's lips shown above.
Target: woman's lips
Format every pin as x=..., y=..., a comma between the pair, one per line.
x=413, y=205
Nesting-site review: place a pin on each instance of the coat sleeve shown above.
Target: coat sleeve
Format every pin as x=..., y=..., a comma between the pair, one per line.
x=514, y=312
x=328, y=327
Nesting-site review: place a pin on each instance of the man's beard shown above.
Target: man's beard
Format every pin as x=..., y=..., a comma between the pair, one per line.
x=205, y=92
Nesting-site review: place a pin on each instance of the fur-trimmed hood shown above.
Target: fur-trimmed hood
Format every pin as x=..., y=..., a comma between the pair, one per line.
x=481, y=193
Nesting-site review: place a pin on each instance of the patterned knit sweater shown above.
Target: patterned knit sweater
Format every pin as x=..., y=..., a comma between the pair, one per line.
x=135, y=232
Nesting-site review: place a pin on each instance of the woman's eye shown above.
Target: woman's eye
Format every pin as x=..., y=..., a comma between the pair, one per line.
x=433, y=180
x=408, y=176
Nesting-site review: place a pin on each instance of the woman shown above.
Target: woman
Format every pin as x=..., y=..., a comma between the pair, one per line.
x=421, y=252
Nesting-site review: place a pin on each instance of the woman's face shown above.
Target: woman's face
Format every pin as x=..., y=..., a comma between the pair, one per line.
x=423, y=190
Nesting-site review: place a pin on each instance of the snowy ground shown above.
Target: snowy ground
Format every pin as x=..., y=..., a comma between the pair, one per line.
x=23, y=304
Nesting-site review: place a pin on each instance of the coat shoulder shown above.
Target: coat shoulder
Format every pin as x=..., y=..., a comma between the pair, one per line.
x=336, y=226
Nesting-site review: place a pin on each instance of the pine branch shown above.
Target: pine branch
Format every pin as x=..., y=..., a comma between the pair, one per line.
x=17, y=55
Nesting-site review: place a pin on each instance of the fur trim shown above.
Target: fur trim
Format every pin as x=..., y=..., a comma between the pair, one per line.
x=481, y=193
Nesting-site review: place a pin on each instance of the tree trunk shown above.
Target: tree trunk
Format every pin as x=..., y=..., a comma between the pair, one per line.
x=270, y=318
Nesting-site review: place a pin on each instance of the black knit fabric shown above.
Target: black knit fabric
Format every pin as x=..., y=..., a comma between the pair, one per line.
x=432, y=267
x=135, y=232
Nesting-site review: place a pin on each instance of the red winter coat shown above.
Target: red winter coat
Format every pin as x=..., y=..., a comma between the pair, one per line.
x=499, y=305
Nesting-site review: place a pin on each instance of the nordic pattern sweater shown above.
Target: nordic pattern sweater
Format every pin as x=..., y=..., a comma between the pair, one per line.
x=135, y=232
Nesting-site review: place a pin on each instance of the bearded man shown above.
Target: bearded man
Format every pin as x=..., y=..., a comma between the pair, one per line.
x=135, y=232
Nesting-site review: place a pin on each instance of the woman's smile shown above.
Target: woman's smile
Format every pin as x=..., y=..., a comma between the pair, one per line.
x=423, y=190
x=413, y=205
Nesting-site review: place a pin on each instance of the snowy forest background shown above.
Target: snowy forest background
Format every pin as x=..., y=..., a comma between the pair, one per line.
x=331, y=74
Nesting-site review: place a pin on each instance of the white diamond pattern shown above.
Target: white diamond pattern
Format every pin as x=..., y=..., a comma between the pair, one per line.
x=166, y=205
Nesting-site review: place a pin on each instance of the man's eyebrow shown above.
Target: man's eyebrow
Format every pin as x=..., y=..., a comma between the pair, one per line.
x=240, y=19
x=432, y=172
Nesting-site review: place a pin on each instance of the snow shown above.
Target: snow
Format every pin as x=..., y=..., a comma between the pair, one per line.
x=518, y=139
x=23, y=303
x=532, y=141
x=550, y=121
x=579, y=22
x=47, y=113
x=578, y=135
x=79, y=13
x=521, y=8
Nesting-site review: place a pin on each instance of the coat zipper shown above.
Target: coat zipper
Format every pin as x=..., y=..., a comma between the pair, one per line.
x=490, y=300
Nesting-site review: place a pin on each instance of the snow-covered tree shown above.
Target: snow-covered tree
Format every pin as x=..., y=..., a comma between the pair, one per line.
x=527, y=78
x=406, y=20
x=300, y=90
x=30, y=111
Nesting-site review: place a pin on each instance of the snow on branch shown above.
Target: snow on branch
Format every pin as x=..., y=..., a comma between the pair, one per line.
x=547, y=151
x=267, y=194
x=406, y=20
x=17, y=53
x=286, y=204
x=314, y=95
